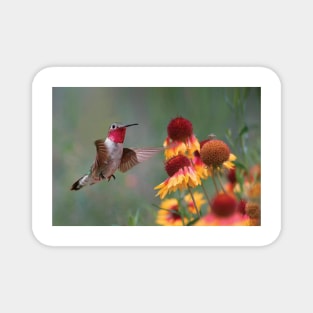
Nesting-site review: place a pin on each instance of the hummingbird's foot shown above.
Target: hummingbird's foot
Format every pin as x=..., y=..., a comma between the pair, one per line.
x=110, y=177
x=101, y=176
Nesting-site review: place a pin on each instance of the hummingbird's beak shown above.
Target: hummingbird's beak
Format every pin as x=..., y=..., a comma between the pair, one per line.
x=127, y=125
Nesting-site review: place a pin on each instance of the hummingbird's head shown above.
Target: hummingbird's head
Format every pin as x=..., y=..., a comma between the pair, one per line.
x=117, y=132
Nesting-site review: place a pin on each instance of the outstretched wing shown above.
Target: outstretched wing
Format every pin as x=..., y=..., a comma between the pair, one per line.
x=101, y=157
x=132, y=157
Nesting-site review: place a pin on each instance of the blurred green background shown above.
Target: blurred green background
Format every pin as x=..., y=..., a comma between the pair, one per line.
x=82, y=115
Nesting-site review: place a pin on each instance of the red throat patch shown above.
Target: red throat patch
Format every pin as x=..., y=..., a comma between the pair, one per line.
x=117, y=135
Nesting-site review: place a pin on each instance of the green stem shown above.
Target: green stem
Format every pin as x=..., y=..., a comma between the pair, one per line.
x=243, y=150
x=182, y=219
x=181, y=208
x=168, y=210
x=205, y=193
x=194, y=202
x=220, y=181
x=214, y=182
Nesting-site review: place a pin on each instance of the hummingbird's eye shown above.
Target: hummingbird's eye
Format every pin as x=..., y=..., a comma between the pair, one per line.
x=113, y=126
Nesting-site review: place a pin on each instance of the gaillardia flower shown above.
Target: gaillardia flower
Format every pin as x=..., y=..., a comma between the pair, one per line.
x=169, y=215
x=181, y=176
x=224, y=212
x=180, y=138
x=216, y=154
x=235, y=219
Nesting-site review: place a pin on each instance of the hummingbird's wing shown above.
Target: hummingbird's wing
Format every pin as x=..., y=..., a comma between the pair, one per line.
x=102, y=155
x=132, y=157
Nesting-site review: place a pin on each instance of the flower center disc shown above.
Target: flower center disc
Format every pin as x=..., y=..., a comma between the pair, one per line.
x=214, y=152
x=179, y=129
x=174, y=164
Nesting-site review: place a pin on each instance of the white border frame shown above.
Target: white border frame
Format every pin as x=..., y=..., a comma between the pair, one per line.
x=156, y=77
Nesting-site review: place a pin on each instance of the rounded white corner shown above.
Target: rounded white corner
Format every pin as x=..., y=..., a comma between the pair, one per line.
x=41, y=74
x=38, y=238
x=275, y=235
x=271, y=74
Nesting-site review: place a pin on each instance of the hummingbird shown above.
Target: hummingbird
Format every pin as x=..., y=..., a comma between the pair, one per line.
x=111, y=155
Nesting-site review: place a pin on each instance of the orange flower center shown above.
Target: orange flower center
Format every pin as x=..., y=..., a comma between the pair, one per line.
x=253, y=210
x=214, y=152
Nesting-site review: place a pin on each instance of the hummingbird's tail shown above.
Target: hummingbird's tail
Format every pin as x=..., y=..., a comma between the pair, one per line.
x=80, y=183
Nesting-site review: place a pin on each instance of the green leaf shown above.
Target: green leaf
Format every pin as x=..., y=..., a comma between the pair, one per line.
x=134, y=220
x=131, y=221
x=244, y=130
x=240, y=165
